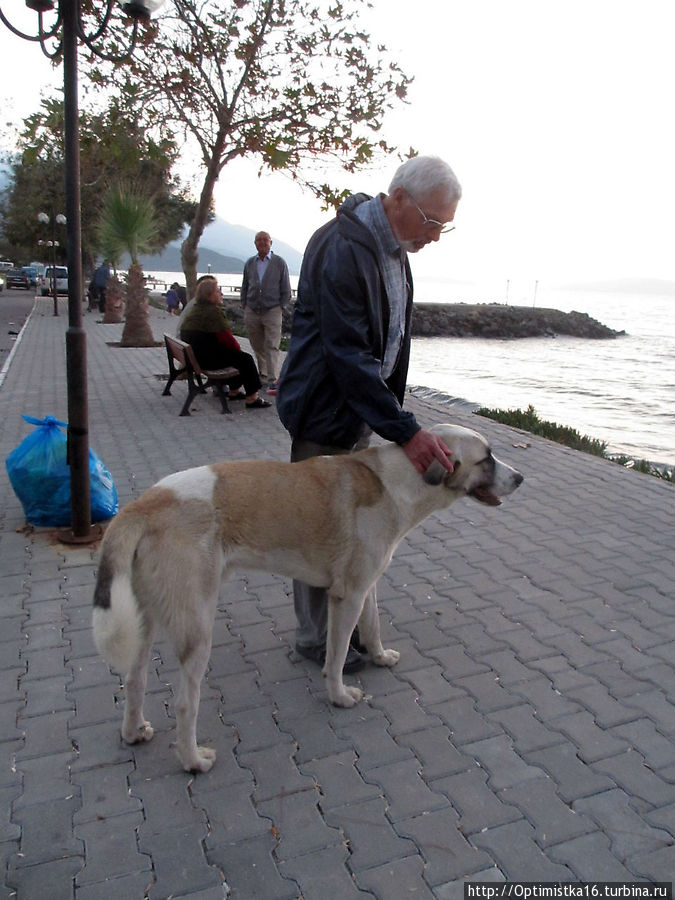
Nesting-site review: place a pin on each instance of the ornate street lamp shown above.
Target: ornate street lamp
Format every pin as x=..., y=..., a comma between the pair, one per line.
x=61, y=38
x=55, y=220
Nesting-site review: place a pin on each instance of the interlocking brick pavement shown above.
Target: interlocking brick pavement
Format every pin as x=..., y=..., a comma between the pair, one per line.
x=528, y=732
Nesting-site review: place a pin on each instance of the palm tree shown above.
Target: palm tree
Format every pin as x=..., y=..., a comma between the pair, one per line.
x=128, y=224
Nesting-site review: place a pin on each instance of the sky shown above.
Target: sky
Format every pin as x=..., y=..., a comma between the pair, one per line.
x=556, y=116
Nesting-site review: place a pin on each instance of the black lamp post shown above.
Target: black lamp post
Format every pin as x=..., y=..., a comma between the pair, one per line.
x=67, y=29
x=58, y=219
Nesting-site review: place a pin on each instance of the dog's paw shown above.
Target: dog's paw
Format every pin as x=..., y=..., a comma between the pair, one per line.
x=387, y=658
x=138, y=734
x=200, y=761
x=348, y=697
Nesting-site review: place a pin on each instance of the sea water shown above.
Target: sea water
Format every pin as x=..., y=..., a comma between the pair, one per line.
x=621, y=391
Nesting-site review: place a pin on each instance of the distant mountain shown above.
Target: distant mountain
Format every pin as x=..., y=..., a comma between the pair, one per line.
x=169, y=261
x=224, y=247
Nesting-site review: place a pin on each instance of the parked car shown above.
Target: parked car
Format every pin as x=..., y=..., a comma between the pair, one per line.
x=18, y=278
x=32, y=273
x=5, y=264
x=61, y=273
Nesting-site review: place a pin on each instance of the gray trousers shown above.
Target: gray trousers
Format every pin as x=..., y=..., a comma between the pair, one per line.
x=264, y=333
x=311, y=603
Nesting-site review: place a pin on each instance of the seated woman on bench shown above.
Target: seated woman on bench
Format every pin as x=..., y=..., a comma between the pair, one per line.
x=207, y=329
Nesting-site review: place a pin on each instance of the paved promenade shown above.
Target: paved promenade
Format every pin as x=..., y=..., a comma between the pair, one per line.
x=528, y=732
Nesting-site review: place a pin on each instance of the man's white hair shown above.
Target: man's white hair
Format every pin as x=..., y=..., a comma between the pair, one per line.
x=422, y=175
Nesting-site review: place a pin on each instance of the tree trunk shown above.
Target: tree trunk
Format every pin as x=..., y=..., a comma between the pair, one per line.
x=137, y=331
x=114, y=301
x=190, y=246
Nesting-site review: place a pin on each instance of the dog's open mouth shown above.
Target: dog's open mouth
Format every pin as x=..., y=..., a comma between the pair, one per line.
x=483, y=495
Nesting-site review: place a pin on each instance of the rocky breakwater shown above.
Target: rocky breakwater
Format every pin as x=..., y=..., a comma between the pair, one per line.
x=495, y=320
x=489, y=320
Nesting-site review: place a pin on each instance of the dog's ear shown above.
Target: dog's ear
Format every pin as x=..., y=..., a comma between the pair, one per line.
x=436, y=473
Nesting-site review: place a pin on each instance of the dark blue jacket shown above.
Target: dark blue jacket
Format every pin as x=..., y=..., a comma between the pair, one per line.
x=331, y=381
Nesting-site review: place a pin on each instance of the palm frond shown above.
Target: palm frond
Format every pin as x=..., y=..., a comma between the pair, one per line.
x=127, y=222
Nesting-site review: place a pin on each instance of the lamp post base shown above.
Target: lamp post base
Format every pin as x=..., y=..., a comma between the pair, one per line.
x=67, y=536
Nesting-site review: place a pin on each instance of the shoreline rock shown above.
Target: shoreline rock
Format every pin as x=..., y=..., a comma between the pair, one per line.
x=488, y=320
x=495, y=320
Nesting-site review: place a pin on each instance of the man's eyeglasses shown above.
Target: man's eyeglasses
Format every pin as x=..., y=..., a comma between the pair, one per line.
x=433, y=223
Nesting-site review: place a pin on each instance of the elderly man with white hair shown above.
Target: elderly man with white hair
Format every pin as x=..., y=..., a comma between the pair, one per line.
x=345, y=372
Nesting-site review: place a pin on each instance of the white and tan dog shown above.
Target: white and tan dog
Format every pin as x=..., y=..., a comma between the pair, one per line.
x=330, y=521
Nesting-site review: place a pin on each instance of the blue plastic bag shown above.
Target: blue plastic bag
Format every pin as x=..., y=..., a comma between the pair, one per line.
x=40, y=477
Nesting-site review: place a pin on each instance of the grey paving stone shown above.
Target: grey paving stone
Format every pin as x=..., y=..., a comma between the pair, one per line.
x=592, y=741
x=256, y=729
x=105, y=793
x=553, y=820
x=339, y=780
x=658, y=708
x=403, y=712
x=516, y=853
x=573, y=777
x=29, y=883
x=371, y=838
x=488, y=692
x=298, y=825
x=662, y=818
x=630, y=772
x=275, y=772
x=399, y=879
x=249, y=869
x=503, y=764
x=178, y=860
x=426, y=633
x=45, y=778
x=314, y=737
x=373, y=743
x=111, y=850
x=433, y=686
x=548, y=703
x=454, y=890
x=466, y=724
x=47, y=831
x=446, y=852
x=628, y=832
x=524, y=729
x=135, y=885
x=510, y=670
x=45, y=735
x=98, y=745
x=591, y=859
x=433, y=747
x=606, y=711
x=273, y=665
x=656, y=866
x=407, y=793
x=477, y=805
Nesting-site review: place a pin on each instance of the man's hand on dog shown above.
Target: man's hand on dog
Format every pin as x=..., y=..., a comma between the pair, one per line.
x=423, y=448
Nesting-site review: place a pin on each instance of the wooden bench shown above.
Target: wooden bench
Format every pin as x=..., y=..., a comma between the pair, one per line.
x=183, y=366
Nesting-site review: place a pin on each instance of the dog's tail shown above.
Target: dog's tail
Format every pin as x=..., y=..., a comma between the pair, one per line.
x=116, y=619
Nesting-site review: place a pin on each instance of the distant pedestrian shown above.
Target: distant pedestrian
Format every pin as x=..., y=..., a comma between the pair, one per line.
x=172, y=299
x=99, y=281
x=265, y=291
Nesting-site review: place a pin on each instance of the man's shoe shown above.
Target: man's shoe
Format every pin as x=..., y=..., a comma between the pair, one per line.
x=354, y=662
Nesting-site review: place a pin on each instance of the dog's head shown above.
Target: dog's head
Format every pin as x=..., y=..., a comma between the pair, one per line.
x=478, y=473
